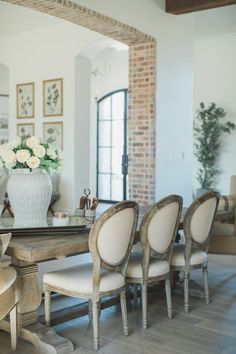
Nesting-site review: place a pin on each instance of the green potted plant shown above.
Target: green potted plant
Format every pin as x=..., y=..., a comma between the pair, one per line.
x=208, y=129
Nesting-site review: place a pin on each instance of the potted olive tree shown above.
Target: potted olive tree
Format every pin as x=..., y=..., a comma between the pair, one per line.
x=208, y=129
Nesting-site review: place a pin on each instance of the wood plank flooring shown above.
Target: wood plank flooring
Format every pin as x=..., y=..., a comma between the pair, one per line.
x=207, y=329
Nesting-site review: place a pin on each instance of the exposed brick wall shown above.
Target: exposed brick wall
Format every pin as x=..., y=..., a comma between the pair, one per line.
x=142, y=87
x=141, y=124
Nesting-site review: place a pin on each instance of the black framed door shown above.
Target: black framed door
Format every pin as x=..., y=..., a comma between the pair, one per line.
x=112, y=158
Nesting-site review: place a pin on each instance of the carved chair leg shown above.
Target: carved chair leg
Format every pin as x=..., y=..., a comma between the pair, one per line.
x=168, y=296
x=186, y=292
x=205, y=279
x=13, y=326
x=47, y=303
x=124, y=312
x=95, y=325
x=144, y=305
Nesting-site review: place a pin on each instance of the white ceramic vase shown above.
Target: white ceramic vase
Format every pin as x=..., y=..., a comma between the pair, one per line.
x=29, y=194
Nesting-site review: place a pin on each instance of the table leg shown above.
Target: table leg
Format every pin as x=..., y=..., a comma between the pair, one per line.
x=44, y=339
x=30, y=297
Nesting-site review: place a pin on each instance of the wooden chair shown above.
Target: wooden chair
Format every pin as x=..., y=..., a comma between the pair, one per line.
x=158, y=231
x=9, y=295
x=193, y=254
x=110, y=243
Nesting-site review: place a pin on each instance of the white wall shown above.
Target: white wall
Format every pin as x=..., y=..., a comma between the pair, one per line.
x=4, y=79
x=115, y=66
x=4, y=104
x=40, y=54
x=82, y=125
x=44, y=54
x=215, y=81
x=174, y=35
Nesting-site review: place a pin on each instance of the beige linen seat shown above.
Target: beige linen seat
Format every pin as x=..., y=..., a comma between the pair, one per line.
x=9, y=295
x=193, y=254
x=110, y=243
x=157, y=233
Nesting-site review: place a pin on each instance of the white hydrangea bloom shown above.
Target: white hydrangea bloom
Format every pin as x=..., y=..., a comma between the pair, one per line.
x=51, y=153
x=9, y=157
x=32, y=142
x=22, y=155
x=39, y=151
x=18, y=153
x=33, y=162
x=14, y=143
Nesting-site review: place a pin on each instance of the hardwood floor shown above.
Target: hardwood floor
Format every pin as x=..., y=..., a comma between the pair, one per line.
x=207, y=329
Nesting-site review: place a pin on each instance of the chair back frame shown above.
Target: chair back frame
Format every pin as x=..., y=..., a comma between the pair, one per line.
x=9, y=293
x=148, y=252
x=98, y=262
x=189, y=240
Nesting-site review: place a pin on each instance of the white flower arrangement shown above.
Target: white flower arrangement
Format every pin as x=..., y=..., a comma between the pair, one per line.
x=30, y=154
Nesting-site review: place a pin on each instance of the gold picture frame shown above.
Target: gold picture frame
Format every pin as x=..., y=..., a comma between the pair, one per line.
x=53, y=134
x=53, y=97
x=25, y=130
x=25, y=100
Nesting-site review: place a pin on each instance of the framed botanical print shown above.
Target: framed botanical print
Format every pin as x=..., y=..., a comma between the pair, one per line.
x=3, y=128
x=25, y=100
x=53, y=97
x=53, y=134
x=25, y=130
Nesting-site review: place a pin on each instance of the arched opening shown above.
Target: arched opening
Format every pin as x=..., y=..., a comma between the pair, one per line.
x=4, y=103
x=142, y=85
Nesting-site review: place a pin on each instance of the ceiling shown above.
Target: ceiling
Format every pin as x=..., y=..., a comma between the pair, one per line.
x=214, y=22
x=178, y=7
x=11, y=19
x=16, y=19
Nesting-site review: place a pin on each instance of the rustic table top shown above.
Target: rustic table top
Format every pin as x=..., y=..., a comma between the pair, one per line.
x=39, y=244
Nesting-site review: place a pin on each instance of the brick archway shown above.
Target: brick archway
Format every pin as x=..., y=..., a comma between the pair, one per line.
x=142, y=86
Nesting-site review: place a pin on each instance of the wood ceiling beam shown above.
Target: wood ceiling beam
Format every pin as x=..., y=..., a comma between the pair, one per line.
x=178, y=7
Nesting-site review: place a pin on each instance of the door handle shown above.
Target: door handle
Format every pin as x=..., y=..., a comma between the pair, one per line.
x=124, y=164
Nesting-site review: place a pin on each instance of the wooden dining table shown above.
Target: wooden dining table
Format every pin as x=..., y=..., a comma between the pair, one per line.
x=30, y=246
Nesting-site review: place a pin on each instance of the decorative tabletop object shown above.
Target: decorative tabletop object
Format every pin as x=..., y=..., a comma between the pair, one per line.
x=29, y=186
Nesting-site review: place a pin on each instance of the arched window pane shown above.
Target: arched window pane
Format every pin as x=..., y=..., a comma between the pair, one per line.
x=112, y=146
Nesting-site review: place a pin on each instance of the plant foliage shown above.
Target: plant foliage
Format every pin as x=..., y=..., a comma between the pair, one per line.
x=208, y=128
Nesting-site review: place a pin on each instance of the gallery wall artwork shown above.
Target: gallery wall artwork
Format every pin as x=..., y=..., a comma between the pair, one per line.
x=53, y=97
x=25, y=100
x=53, y=134
x=25, y=130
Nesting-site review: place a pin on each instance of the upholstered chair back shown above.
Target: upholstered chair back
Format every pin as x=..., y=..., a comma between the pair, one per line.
x=199, y=217
x=160, y=224
x=112, y=235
